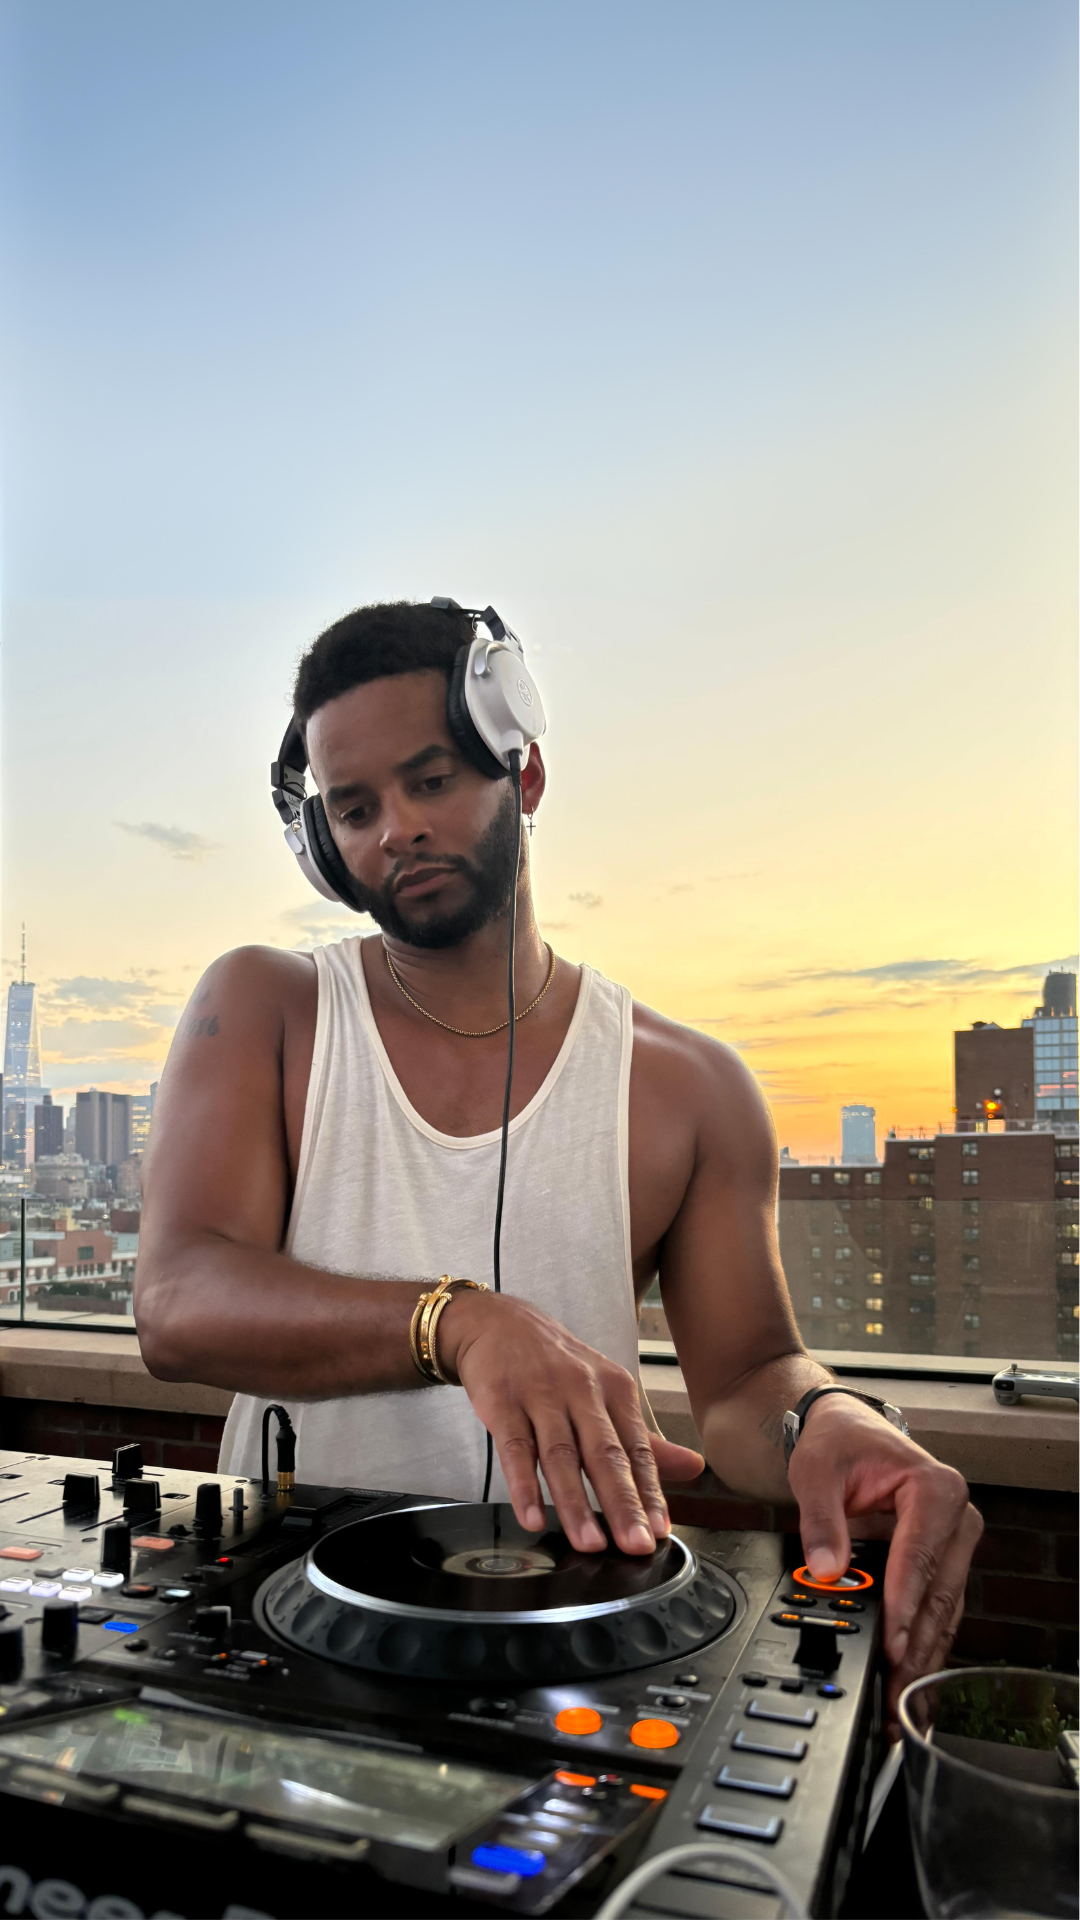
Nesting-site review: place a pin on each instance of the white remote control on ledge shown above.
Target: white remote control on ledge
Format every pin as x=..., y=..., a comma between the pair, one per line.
x=1014, y=1381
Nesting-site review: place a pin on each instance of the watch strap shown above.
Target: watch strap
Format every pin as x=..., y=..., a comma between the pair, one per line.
x=795, y=1417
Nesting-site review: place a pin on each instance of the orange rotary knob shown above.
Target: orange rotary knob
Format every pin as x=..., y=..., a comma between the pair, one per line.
x=654, y=1733
x=579, y=1720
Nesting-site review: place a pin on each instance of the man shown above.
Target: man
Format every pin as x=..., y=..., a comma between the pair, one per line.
x=326, y=1145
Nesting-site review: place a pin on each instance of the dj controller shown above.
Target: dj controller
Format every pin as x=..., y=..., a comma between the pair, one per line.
x=220, y=1700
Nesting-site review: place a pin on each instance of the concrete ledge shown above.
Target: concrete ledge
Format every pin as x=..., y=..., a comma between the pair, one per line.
x=959, y=1422
x=94, y=1369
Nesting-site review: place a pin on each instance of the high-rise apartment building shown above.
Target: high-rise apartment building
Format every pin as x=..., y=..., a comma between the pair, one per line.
x=1053, y=1031
x=958, y=1244
x=48, y=1128
x=858, y=1141
x=103, y=1127
x=994, y=1075
x=1023, y=1075
x=23, y=1090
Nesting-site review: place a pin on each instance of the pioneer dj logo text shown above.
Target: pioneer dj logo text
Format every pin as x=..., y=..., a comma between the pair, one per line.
x=61, y=1900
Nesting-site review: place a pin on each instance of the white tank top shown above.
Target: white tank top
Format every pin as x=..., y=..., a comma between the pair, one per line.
x=383, y=1194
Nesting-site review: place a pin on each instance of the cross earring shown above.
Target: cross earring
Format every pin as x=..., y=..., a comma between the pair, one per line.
x=529, y=824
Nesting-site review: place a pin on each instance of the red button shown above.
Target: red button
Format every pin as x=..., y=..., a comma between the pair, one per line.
x=576, y=1779
x=647, y=1793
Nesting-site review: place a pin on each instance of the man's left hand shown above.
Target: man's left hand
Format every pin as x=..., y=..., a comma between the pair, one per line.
x=850, y=1465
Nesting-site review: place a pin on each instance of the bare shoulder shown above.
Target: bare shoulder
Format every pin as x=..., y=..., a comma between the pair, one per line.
x=688, y=1076
x=250, y=987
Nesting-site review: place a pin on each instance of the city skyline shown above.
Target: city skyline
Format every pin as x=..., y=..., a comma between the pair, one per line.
x=802, y=1144
x=733, y=366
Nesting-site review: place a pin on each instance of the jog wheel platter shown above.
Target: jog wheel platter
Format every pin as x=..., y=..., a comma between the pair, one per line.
x=456, y=1592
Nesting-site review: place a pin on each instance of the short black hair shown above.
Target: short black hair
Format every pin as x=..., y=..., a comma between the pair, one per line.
x=374, y=643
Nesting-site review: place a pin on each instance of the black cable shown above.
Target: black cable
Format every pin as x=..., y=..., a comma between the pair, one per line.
x=511, y=1003
x=286, y=1448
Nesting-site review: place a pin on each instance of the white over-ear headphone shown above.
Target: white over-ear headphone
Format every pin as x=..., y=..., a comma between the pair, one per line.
x=493, y=709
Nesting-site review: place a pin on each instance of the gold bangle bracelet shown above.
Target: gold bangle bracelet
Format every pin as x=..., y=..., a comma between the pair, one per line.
x=425, y=1319
x=432, y=1352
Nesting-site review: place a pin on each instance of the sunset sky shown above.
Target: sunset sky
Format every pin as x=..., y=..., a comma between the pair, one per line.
x=728, y=350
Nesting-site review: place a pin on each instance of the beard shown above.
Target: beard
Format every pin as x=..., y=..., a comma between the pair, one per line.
x=491, y=874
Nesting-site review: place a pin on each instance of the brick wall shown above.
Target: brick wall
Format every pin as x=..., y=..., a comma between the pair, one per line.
x=186, y=1440
x=1022, y=1594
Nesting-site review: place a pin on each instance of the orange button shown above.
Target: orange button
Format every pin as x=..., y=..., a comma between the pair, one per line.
x=576, y=1779
x=853, y=1581
x=654, y=1733
x=648, y=1793
x=154, y=1542
x=21, y=1553
x=579, y=1720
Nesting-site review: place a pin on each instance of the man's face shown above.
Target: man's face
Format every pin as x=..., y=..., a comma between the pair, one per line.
x=429, y=841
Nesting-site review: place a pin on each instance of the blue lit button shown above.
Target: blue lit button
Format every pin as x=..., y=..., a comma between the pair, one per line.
x=120, y=1626
x=830, y=1692
x=524, y=1860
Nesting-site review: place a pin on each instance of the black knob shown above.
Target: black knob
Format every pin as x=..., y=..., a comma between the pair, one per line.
x=11, y=1650
x=213, y=1622
x=238, y=1507
x=82, y=1490
x=817, y=1646
x=127, y=1462
x=208, y=1508
x=60, y=1628
x=142, y=1498
x=116, y=1548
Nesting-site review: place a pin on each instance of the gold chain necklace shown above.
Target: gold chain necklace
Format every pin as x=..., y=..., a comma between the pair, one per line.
x=466, y=1033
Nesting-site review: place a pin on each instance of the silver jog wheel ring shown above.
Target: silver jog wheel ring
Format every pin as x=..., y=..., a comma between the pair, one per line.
x=459, y=1592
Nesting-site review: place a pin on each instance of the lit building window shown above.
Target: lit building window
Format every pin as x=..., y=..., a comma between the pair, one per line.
x=875, y=1328
x=874, y=1305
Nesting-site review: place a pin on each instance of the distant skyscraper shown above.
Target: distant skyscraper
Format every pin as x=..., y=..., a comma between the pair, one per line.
x=48, y=1128
x=858, y=1144
x=103, y=1127
x=23, y=1090
x=1053, y=1029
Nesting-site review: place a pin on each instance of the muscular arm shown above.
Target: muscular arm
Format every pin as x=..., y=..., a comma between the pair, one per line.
x=722, y=1282
x=215, y=1298
x=729, y=1313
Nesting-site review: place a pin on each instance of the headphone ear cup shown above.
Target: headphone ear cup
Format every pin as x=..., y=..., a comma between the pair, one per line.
x=323, y=853
x=460, y=723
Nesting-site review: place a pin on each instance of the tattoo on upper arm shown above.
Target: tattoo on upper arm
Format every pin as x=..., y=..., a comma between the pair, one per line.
x=773, y=1428
x=193, y=1028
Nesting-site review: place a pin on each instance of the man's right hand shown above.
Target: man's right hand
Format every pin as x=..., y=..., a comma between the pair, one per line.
x=553, y=1403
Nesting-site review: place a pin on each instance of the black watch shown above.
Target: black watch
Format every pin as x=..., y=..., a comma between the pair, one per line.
x=795, y=1416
